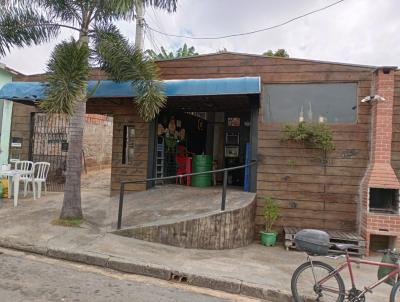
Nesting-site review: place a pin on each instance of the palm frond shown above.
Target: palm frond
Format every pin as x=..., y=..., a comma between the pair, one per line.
x=24, y=27
x=129, y=5
x=168, y=5
x=125, y=9
x=68, y=70
x=63, y=10
x=123, y=62
x=105, y=11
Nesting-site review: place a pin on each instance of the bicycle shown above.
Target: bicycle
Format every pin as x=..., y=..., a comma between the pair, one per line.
x=329, y=285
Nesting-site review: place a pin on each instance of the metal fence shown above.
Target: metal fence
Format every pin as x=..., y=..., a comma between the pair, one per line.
x=49, y=143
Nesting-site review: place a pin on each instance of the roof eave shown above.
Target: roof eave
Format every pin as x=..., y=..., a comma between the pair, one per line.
x=272, y=57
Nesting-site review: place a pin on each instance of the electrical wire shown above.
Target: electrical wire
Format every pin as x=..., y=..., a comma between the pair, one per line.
x=153, y=42
x=245, y=33
x=149, y=34
x=159, y=24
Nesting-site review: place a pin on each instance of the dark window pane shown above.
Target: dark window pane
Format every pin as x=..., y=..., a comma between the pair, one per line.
x=332, y=103
x=128, y=145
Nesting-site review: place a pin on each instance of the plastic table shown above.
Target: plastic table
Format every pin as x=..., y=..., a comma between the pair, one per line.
x=13, y=185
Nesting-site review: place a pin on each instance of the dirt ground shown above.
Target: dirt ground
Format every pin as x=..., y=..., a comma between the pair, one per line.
x=99, y=179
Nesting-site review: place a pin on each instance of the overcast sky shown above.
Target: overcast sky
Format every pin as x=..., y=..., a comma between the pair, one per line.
x=354, y=31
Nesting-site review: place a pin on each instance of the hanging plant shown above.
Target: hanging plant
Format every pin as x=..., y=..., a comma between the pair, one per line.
x=316, y=135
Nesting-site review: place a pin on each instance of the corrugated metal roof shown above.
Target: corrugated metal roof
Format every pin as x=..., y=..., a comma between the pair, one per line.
x=32, y=91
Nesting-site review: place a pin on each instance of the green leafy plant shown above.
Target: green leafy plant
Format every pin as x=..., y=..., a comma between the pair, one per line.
x=278, y=53
x=183, y=52
x=317, y=135
x=271, y=213
x=170, y=142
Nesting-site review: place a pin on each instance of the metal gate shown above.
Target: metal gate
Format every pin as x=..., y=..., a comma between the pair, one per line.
x=49, y=143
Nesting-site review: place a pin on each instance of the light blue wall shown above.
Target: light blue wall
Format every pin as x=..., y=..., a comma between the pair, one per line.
x=5, y=119
x=5, y=77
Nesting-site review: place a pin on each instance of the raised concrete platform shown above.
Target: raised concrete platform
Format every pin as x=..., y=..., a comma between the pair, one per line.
x=190, y=217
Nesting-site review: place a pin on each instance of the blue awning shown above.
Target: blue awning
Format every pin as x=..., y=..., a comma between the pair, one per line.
x=32, y=91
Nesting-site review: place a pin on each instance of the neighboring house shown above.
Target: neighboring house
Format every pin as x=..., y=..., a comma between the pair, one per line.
x=247, y=99
x=6, y=75
x=37, y=136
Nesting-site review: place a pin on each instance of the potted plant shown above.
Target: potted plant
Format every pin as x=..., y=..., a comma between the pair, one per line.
x=271, y=213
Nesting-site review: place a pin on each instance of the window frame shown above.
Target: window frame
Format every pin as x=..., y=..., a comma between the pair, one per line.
x=264, y=91
x=125, y=160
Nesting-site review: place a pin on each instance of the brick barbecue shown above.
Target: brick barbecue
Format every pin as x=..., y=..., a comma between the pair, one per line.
x=379, y=190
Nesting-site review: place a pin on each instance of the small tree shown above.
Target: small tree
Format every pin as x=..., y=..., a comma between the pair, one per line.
x=271, y=213
x=182, y=52
x=278, y=53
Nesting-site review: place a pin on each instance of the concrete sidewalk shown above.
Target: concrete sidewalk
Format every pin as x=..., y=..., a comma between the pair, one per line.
x=254, y=271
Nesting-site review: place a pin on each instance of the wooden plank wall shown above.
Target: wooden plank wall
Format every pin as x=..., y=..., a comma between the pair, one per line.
x=124, y=113
x=310, y=194
x=396, y=126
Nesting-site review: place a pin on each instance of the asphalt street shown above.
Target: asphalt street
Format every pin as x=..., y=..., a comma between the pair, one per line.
x=25, y=277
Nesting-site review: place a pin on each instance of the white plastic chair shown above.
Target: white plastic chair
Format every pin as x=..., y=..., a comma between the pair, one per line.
x=25, y=165
x=40, y=172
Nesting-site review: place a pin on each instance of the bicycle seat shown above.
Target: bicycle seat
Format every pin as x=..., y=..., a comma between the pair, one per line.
x=344, y=246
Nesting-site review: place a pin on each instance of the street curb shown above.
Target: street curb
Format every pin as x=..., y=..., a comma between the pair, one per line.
x=150, y=270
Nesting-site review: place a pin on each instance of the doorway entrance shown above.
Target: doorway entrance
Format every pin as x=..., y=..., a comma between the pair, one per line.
x=214, y=133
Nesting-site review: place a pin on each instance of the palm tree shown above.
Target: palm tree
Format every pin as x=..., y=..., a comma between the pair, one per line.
x=182, y=52
x=32, y=22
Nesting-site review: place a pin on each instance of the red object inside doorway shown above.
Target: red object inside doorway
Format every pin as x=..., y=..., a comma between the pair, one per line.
x=184, y=165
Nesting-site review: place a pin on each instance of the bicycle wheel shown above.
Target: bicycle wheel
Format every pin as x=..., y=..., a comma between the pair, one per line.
x=304, y=288
x=395, y=293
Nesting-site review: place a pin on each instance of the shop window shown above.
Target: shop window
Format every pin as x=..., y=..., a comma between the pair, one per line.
x=128, y=145
x=332, y=103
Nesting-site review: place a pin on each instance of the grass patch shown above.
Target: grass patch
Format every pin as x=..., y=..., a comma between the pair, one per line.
x=67, y=222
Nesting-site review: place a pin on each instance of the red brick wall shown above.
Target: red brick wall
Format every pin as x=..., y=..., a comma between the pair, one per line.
x=97, y=141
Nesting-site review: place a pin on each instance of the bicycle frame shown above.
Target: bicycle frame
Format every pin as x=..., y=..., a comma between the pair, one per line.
x=347, y=264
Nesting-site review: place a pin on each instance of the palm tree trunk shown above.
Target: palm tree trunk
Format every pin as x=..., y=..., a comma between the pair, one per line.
x=72, y=208
x=72, y=191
